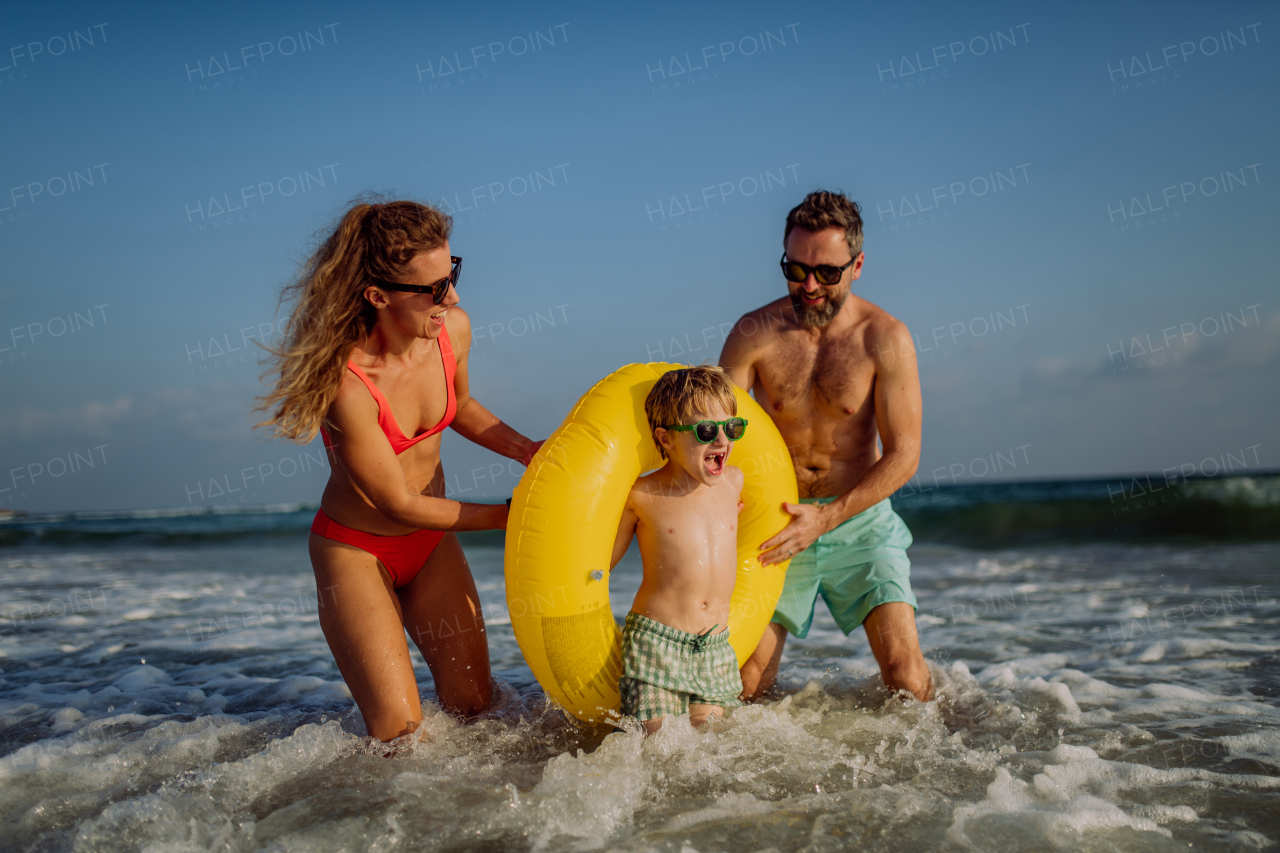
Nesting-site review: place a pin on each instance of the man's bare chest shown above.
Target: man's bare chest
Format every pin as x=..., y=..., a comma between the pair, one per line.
x=800, y=378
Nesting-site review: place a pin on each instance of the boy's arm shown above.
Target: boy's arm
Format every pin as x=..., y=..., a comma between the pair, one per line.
x=626, y=529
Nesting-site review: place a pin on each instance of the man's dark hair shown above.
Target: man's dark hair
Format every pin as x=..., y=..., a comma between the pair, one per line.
x=821, y=210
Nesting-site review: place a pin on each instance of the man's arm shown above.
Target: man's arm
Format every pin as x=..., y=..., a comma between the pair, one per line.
x=898, y=416
x=473, y=421
x=738, y=357
x=898, y=419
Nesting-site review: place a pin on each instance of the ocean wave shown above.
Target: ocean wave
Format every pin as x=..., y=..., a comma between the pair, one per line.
x=1137, y=508
x=1133, y=509
x=174, y=526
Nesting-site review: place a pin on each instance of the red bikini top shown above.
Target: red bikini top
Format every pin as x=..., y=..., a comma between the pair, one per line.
x=387, y=420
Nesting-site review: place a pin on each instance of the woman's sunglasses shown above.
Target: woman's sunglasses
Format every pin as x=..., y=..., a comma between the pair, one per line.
x=824, y=273
x=706, y=431
x=437, y=290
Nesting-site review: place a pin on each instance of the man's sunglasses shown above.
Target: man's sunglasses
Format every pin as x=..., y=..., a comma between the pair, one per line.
x=706, y=431
x=824, y=273
x=437, y=290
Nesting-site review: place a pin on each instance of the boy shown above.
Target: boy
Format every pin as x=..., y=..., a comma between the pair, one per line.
x=686, y=516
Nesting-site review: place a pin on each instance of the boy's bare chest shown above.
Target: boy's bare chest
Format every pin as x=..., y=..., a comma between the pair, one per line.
x=683, y=523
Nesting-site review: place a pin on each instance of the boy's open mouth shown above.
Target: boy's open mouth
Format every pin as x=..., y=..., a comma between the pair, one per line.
x=714, y=463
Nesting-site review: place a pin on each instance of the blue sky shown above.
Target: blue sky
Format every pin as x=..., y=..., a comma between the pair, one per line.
x=1047, y=191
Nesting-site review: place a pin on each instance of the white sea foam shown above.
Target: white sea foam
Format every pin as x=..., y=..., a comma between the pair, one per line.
x=181, y=707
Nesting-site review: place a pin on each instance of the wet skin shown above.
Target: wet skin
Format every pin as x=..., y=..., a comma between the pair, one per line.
x=372, y=489
x=685, y=516
x=832, y=391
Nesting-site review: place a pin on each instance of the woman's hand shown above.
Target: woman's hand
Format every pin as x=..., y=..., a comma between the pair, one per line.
x=530, y=452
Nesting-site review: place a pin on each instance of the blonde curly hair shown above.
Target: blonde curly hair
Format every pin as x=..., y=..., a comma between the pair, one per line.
x=375, y=239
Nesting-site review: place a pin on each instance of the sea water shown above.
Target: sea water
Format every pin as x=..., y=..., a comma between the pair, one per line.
x=163, y=693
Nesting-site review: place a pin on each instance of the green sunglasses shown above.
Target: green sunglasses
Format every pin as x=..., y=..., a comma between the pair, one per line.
x=706, y=431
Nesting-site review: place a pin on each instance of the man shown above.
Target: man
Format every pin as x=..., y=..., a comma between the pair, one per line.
x=834, y=372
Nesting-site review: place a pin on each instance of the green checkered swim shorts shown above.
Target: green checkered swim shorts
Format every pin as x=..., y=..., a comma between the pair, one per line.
x=665, y=669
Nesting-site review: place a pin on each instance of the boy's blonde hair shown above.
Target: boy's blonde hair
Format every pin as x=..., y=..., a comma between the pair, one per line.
x=679, y=394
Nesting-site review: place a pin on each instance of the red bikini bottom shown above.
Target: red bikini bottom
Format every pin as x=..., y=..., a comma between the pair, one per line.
x=402, y=555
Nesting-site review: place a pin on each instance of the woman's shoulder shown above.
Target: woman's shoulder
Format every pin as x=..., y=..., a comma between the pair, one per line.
x=353, y=394
x=457, y=322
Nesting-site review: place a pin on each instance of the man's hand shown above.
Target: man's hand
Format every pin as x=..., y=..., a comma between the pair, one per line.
x=529, y=454
x=808, y=522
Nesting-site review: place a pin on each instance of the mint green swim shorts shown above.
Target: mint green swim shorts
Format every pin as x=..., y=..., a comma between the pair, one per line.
x=856, y=567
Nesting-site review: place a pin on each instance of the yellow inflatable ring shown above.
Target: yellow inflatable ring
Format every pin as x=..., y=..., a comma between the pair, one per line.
x=564, y=519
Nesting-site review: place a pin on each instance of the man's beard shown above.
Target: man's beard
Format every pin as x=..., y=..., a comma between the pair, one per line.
x=817, y=316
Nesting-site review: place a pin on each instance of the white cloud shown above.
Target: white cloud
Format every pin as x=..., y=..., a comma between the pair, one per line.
x=215, y=413
x=93, y=419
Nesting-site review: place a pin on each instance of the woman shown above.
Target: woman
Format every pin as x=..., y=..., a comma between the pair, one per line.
x=374, y=357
